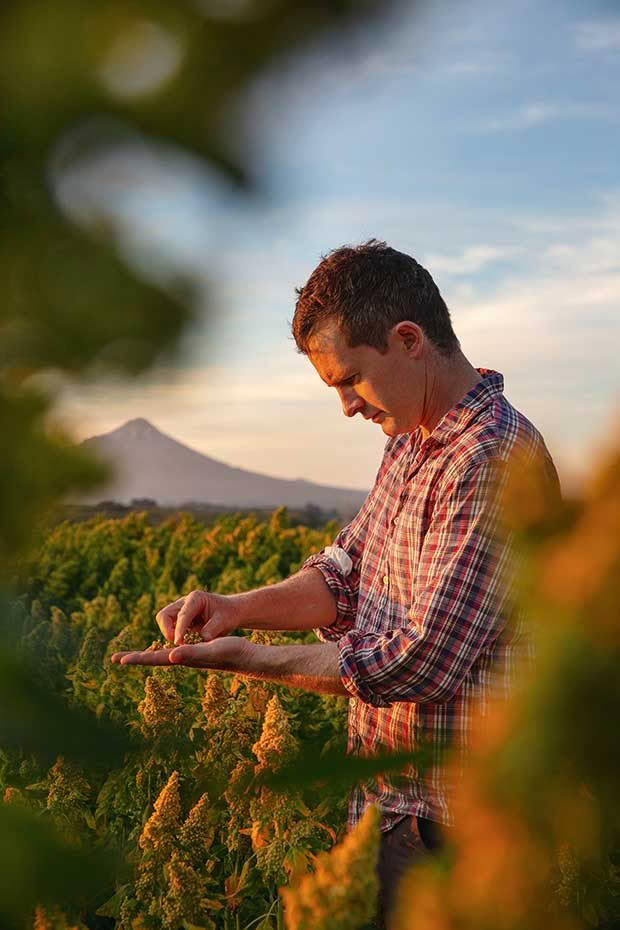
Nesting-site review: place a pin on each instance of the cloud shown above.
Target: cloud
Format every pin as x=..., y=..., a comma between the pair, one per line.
x=474, y=65
x=554, y=333
x=598, y=36
x=470, y=261
x=598, y=256
x=548, y=321
x=531, y=115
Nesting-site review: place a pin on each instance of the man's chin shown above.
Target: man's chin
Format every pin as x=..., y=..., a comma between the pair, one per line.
x=390, y=428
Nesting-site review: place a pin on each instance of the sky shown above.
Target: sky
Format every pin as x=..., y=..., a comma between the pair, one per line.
x=482, y=139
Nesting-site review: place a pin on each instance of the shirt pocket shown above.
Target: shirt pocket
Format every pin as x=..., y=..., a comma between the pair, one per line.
x=403, y=560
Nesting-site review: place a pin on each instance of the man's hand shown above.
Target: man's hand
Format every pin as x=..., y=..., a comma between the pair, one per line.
x=313, y=667
x=211, y=615
x=228, y=653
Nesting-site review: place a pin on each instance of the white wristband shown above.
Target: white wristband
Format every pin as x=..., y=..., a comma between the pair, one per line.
x=340, y=557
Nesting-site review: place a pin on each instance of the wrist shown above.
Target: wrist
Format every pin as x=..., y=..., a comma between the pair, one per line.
x=240, y=603
x=248, y=660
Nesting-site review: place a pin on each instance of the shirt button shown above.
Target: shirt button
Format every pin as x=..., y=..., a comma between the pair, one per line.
x=385, y=579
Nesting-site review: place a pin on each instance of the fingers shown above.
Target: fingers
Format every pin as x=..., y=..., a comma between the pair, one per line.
x=158, y=657
x=188, y=655
x=227, y=653
x=194, y=606
x=180, y=655
x=166, y=618
x=215, y=627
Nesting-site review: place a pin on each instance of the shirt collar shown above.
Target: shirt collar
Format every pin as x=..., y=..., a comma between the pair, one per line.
x=456, y=419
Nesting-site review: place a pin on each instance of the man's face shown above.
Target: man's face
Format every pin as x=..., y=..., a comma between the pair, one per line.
x=383, y=388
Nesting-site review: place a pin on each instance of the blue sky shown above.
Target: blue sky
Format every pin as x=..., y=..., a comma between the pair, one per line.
x=483, y=139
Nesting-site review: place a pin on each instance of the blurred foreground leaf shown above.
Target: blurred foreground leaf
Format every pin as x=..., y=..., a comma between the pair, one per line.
x=39, y=722
x=36, y=468
x=341, y=771
x=342, y=891
x=37, y=866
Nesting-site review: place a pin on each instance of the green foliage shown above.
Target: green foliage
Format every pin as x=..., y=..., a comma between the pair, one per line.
x=37, y=722
x=144, y=567
x=240, y=785
x=187, y=805
x=34, y=856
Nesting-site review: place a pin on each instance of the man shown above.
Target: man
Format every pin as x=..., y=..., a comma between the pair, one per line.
x=412, y=601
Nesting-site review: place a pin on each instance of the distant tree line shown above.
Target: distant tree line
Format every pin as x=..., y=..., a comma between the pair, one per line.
x=311, y=515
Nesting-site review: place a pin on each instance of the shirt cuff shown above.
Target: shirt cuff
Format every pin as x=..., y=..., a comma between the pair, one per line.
x=334, y=565
x=353, y=659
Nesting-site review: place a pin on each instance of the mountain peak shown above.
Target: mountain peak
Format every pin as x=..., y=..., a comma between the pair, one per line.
x=138, y=427
x=138, y=423
x=136, y=430
x=152, y=464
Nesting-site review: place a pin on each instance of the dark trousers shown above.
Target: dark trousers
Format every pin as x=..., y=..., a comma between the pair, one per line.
x=411, y=840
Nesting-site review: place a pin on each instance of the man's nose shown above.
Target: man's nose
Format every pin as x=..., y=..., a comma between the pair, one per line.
x=351, y=403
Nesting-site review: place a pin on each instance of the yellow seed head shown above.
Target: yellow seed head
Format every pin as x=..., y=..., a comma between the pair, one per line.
x=68, y=789
x=14, y=796
x=215, y=699
x=185, y=893
x=276, y=745
x=342, y=892
x=197, y=833
x=162, y=707
x=160, y=830
x=41, y=920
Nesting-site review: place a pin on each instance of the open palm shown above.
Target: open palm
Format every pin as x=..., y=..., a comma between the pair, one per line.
x=227, y=653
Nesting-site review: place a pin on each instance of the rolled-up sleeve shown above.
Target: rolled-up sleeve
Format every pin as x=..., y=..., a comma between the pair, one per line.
x=336, y=566
x=462, y=583
x=340, y=563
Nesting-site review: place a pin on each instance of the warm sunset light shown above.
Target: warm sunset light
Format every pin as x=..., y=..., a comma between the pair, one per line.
x=310, y=510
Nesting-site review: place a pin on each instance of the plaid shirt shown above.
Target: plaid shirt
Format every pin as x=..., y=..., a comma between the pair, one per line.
x=427, y=631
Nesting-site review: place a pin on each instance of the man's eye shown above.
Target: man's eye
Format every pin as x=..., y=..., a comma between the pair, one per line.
x=345, y=382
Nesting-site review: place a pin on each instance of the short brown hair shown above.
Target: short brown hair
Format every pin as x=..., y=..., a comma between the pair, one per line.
x=368, y=289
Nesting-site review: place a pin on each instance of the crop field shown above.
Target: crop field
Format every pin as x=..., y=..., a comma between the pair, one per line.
x=173, y=808
x=206, y=844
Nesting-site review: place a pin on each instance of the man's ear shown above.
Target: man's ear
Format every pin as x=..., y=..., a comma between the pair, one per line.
x=410, y=335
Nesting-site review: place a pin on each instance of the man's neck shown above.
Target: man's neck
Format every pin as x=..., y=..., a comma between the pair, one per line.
x=457, y=386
